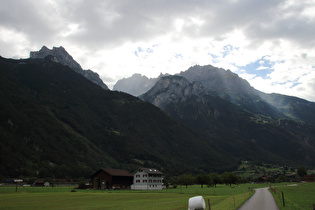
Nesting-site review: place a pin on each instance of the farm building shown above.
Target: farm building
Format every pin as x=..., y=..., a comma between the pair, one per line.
x=147, y=179
x=309, y=178
x=111, y=179
x=39, y=183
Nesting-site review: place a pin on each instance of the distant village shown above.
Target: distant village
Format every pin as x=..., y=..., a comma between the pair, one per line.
x=154, y=179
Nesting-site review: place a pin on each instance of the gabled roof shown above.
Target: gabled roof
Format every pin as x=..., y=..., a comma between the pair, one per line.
x=150, y=171
x=114, y=172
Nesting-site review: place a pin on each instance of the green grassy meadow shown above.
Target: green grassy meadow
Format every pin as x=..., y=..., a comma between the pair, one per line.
x=220, y=197
x=301, y=196
x=296, y=196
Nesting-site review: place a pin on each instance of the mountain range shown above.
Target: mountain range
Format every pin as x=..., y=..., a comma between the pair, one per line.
x=56, y=121
x=248, y=124
x=229, y=86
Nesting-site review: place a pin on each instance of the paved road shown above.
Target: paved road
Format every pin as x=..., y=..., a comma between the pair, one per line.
x=261, y=200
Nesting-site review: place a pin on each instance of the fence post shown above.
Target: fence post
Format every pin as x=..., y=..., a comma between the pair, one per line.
x=313, y=206
x=209, y=204
x=283, y=199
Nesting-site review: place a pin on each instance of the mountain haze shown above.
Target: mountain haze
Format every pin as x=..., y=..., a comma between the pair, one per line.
x=238, y=91
x=231, y=87
x=136, y=85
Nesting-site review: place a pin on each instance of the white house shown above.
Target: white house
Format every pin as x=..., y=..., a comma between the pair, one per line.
x=147, y=179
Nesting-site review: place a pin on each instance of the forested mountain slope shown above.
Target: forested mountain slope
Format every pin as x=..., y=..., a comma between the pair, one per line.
x=56, y=123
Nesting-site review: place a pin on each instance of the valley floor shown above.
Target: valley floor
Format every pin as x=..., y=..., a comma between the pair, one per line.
x=300, y=196
x=220, y=197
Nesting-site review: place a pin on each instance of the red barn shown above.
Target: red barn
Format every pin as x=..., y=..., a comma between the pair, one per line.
x=111, y=179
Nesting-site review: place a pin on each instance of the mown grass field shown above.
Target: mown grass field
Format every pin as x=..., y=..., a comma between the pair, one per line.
x=296, y=196
x=220, y=197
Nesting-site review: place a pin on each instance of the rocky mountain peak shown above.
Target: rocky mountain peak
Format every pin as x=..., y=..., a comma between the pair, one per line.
x=172, y=89
x=136, y=85
x=43, y=49
x=217, y=79
x=62, y=56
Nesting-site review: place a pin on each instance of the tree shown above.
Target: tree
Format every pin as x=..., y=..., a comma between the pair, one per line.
x=185, y=179
x=215, y=179
x=301, y=172
x=202, y=179
x=229, y=178
x=282, y=178
x=169, y=181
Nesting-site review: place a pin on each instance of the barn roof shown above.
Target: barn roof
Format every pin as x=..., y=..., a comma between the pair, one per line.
x=117, y=172
x=150, y=171
x=114, y=172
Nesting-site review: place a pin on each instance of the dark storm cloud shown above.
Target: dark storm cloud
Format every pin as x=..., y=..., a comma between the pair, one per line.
x=29, y=18
x=283, y=23
x=113, y=22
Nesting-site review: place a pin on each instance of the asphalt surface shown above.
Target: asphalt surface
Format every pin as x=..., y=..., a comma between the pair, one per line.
x=261, y=200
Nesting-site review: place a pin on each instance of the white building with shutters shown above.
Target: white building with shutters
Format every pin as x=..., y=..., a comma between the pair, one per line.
x=147, y=179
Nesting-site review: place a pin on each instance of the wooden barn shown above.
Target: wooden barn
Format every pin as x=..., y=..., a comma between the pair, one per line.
x=309, y=178
x=111, y=179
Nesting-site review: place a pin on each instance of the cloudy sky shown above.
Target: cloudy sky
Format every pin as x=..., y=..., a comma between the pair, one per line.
x=270, y=43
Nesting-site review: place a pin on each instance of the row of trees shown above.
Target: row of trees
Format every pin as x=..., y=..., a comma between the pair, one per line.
x=205, y=179
x=228, y=178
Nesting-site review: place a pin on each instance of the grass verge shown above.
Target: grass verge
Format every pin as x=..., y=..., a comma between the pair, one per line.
x=220, y=197
x=296, y=196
